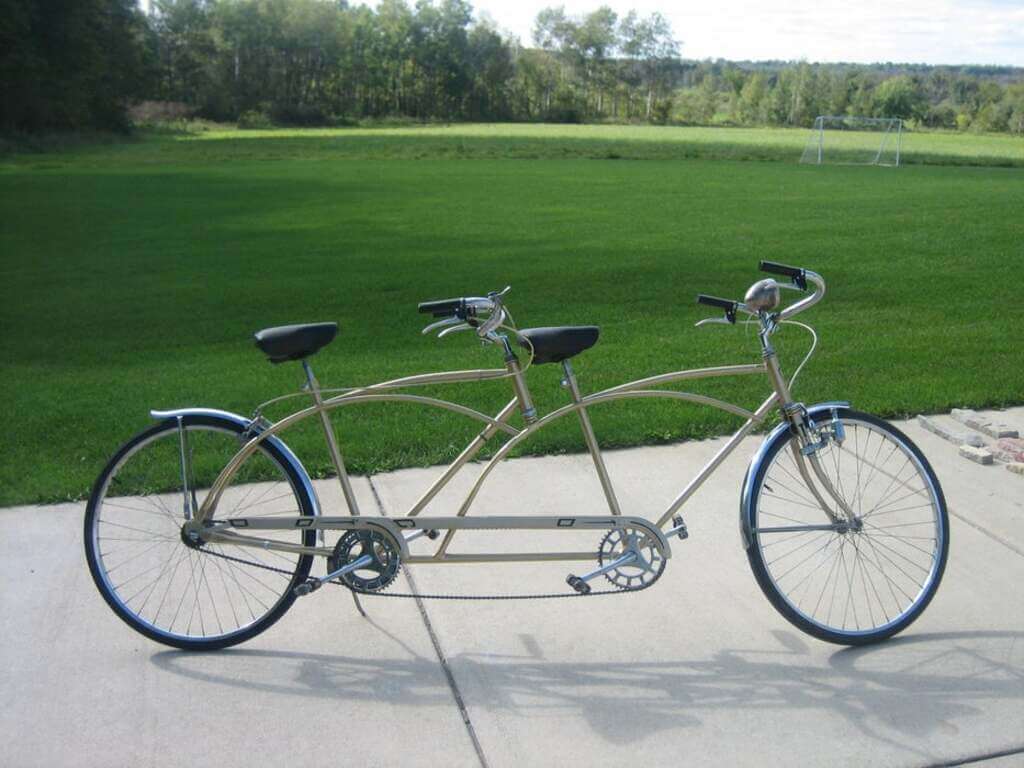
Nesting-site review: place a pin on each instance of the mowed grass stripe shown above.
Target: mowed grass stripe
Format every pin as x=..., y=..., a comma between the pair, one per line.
x=129, y=285
x=532, y=141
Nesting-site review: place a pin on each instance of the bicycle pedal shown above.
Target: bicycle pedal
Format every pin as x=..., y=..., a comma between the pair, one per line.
x=578, y=584
x=307, y=587
x=680, y=526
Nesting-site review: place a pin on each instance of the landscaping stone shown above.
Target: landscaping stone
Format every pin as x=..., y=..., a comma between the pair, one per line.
x=979, y=455
x=1016, y=467
x=983, y=423
x=1010, y=449
x=954, y=436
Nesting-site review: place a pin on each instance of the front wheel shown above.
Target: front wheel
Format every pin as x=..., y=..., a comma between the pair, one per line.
x=196, y=596
x=872, y=573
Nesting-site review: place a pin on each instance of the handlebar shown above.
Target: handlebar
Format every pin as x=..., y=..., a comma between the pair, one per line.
x=727, y=304
x=806, y=276
x=800, y=279
x=464, y=307
x=442, y=307
x=481, y=313
x=798, y=275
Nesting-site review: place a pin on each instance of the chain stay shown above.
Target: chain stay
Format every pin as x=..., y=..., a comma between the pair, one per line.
x=412, y=595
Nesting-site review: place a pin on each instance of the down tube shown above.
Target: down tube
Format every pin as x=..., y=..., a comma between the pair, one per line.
x=717, y=459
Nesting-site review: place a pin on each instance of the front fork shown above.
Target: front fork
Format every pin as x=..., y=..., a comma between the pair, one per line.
x=812, y=437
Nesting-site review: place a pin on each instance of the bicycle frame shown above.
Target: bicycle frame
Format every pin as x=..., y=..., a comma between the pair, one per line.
x=836, y=579
x=382, y=392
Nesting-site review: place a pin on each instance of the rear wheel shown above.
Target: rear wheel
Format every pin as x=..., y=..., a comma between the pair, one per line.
x=867, y=578
x=178, y=592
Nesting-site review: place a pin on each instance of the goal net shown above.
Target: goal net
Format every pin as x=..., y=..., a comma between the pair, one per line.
x=854, y=141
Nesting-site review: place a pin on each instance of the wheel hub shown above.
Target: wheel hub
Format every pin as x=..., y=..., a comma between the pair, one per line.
x=190, y=537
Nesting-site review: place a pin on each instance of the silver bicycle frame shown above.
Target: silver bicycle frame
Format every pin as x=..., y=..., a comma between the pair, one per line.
x=227, y=531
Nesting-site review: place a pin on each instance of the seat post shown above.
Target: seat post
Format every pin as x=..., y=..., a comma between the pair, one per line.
x=569, y=382
x=332, y=441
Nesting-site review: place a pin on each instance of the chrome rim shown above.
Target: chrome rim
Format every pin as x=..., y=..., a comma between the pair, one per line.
x=168, y=587
x=866, y=579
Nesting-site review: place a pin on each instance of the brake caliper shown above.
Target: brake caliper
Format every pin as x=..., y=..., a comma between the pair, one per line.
x=831, y=431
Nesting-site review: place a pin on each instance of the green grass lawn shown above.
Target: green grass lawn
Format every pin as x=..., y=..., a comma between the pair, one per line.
x=532, y=142
x=134, y=274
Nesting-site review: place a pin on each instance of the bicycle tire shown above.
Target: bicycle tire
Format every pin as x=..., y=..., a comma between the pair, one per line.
x=879, y=562
x=155, y=539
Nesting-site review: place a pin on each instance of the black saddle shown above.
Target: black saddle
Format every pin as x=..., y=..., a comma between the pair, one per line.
x=553, y=345
x=294, y=342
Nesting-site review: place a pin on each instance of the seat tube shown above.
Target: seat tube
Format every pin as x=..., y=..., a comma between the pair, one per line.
x=332, y=442
x=569, y=382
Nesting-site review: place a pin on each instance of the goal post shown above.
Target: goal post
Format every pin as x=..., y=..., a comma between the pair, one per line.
x=844, y=140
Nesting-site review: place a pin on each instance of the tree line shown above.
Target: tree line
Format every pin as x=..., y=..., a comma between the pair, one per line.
x=80, y=63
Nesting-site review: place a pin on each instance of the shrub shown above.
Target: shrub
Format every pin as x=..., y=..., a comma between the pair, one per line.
x=661, y=112
x=254, y=119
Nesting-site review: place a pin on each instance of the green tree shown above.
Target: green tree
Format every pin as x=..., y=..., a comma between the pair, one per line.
x=652, y=42
x=70, y=63
x=752, y=98
x=901, y=97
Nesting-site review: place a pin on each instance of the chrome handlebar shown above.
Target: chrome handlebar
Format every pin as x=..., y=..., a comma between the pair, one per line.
x=484, y=314
x=764, y=296
x=810, y=301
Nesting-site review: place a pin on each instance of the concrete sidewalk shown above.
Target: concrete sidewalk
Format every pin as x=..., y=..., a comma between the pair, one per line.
x=699, y=670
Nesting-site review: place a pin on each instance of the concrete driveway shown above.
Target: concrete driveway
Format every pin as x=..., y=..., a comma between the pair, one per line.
x=698, y=670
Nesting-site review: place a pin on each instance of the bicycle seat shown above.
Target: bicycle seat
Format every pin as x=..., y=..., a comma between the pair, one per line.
x=294, y=342
x=553, y=345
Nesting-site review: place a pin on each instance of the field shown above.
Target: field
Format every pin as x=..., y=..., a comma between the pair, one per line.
x=134, y=274
x=538, y=142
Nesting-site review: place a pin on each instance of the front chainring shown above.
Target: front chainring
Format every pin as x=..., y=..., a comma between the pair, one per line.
x=644, y=571
x=374, y=576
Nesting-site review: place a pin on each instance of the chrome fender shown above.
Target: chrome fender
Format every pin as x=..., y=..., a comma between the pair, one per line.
x=775, y=435
x=241, y=421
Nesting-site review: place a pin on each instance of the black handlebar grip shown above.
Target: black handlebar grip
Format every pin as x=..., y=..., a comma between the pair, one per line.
x=713, y=301
x=794, y=273
x=441, y=308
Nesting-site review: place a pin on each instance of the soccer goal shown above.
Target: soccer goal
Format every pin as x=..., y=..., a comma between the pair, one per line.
x=854, y=141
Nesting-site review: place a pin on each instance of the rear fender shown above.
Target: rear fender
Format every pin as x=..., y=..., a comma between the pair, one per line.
x=245, y=423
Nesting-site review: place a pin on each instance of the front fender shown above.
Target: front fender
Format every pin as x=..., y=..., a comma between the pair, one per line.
x=274, y=440
x=779, y=433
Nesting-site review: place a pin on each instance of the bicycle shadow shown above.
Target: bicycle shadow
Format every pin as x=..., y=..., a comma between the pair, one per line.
x=930, y=680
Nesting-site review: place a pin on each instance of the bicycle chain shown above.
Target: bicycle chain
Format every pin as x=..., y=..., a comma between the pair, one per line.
x=413, y=595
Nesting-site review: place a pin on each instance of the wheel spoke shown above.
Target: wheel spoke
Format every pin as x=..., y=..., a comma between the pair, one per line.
x=179, y=593
x=865, y=579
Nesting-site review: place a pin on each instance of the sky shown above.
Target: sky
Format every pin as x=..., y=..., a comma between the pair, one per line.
x=862, y=31
x=918, y=31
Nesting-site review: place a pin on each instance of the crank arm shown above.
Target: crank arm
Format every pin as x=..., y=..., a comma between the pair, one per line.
x=313, y=584
x=626, y=559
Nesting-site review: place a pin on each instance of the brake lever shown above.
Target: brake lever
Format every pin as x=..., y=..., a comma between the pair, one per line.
x=712, y=320
x=454, y=329
x=440, y=324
